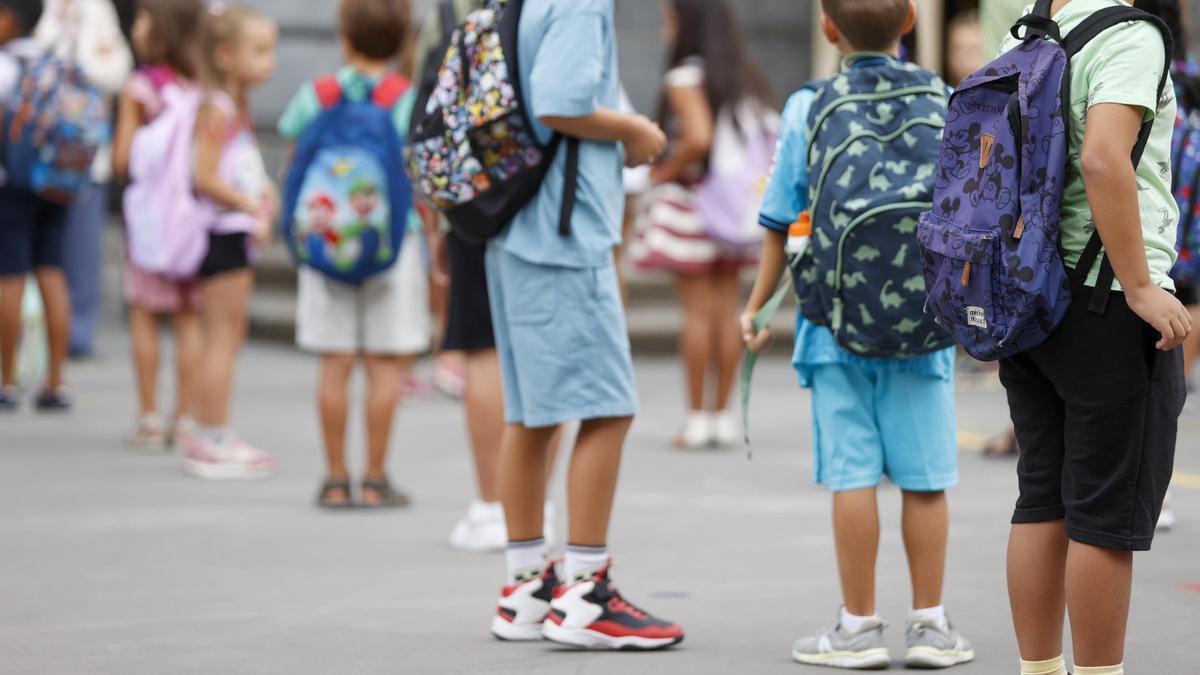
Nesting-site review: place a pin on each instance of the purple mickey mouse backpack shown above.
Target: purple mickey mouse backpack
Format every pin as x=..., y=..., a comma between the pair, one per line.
x=993, y=266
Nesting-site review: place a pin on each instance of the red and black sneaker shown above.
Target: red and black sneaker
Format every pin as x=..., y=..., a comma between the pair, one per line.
x=523, y=605
x=593, y=614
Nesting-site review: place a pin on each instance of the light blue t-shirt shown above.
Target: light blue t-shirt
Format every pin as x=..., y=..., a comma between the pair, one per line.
x=785, y=198
x=568, y=61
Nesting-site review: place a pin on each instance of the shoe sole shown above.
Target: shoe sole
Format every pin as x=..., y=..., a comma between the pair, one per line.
x=211, y=471
x=510, y=632
x=930, y=658
x=871, y=659
x=590, y=639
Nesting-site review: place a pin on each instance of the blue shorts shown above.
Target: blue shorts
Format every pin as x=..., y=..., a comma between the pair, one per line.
x=562, y=341
x=32, y=233
x=871, y=421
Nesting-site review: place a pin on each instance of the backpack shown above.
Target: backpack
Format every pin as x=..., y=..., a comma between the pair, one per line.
x=1185, y=185
x=738, y=170
x=991, y=242
x=873, y=133
x=166, y=223
x=472, y=151
x=347, y=200
x=54, y=124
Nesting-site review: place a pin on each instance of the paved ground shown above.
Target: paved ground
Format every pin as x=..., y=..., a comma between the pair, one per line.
x=112, y=562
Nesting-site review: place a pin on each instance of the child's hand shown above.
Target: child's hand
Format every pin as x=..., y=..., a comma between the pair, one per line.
x=645, y=143
x=261, y=234
x=1163, y=311
x=755, y=341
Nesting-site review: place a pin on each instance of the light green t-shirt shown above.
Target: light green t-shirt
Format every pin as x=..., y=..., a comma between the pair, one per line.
x=1123, y=65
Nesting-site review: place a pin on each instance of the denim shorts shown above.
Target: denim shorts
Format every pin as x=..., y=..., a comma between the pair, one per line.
x=32, y=232
x=562, y=341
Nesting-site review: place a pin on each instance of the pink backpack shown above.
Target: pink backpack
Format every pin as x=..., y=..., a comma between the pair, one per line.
x=166, y=223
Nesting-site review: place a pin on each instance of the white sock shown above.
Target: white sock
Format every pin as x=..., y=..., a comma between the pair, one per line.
x=525, y=559
x=853, y=623
x=584, y=561
x=1118, y=669
x=1055, y=666
x=935, y=616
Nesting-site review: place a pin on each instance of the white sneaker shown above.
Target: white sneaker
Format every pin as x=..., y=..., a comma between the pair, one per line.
x=482, y=530
x=183, y=429
x=232, y=459
x=148, y=435
x=523, y=606
x=697, y=431
x=1166, y=519
x=725, y=429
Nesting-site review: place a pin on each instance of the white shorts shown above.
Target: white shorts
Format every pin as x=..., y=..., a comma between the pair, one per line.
x=389, y=314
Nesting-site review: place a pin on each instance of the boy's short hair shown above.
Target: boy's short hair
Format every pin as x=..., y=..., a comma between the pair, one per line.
x=377, y=29
x=26, y=13
x=868, y=25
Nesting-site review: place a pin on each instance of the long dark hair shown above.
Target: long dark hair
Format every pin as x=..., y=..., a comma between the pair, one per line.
x=709, y=29
x=1172, y=14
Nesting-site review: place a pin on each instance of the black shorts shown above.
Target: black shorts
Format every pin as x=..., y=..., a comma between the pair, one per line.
x=1096, y=409
x=32, y=233
x=469, y=320
x=226, y=253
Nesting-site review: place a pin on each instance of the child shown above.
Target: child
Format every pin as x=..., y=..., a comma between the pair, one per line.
x=964, y=46
x=164, y=37
x=32, y=233
x=1096, y=406
x=238, y=54
x=864, y=424
x=561, y=336
x=385, y=322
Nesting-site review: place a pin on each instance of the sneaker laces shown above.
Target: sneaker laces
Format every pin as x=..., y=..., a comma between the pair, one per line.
x=619, y=605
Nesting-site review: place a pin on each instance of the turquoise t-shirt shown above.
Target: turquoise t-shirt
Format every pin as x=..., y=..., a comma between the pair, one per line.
x=568, y=62
x=786, y=196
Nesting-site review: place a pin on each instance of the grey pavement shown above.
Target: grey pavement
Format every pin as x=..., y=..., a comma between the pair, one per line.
x=112, y=562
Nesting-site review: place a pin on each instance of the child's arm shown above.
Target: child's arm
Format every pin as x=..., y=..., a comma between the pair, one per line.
x=129, y=120
x=211, y=131
x=690, y=107
x=643, y=140
x=770, y=269
x=1111, y=132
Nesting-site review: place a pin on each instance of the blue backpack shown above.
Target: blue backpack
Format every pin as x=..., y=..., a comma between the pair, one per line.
x=54, y=125
x=347, y=200
x=993, y=263
x=1185, y=162
x=874, y=133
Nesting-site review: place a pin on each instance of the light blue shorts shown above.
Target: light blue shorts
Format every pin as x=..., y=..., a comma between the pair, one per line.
x=872, y=421
x=562, y=341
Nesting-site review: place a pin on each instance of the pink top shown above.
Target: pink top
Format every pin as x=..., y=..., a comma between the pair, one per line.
x=241, y=166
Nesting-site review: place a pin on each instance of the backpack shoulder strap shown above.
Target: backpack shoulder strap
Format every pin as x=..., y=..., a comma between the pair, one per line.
x=389, y=91
x=329, y=91
x=448, y=18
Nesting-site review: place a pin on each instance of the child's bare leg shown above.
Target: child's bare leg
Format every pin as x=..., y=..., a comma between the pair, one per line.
x=188, y=351
x=56, y=299
x=695, y=340
x=226, y=302
x=727, y=335
x=523, y=455
x=144, y=343
x=332, y=403
x=856, y=531
x=1191, y=346
x=1098, y=587
x=1037, y=559
x=592, y=479
x=926, y=526
x=484, y=405
x=384, y=375
x=12, y=292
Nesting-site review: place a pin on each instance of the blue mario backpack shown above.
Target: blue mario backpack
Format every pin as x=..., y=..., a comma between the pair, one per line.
x=53, y=126
x=347, y=200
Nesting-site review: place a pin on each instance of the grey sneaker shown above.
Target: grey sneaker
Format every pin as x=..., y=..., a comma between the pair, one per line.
x=930, y=646
x=836, y=648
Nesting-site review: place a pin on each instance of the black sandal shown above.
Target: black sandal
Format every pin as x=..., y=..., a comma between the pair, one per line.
x=328, y=488
x=389, y=497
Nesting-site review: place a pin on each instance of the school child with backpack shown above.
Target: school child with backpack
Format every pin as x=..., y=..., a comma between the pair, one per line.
x=363, y=287
x=53, y=124
x=541, y=179
x=1049, y=248
x=237, y=54
x=853, y=171
x=164, y=39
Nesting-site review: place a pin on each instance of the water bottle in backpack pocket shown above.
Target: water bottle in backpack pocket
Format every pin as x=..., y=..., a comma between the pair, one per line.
x=347, y=200
x=54, y=125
